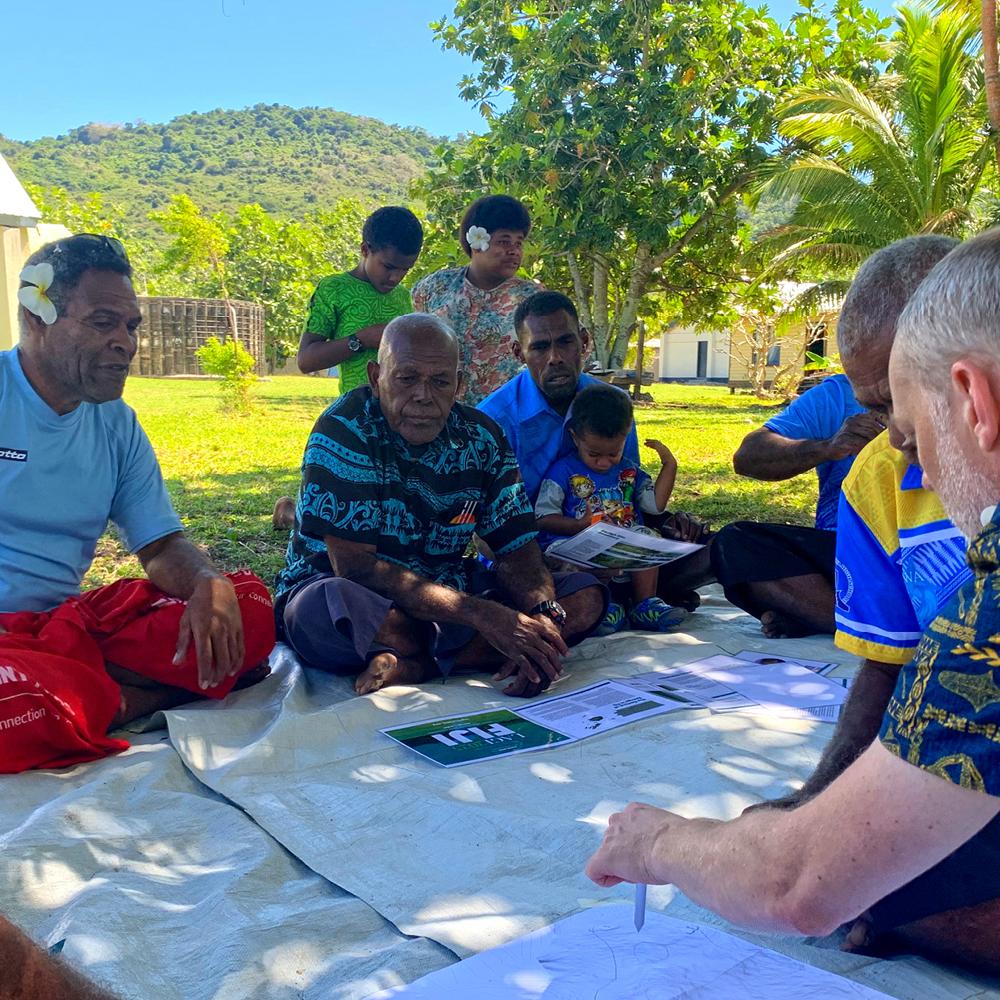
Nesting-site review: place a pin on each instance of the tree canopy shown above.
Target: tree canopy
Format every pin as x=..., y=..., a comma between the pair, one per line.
x=634, y=128
x=907, y=155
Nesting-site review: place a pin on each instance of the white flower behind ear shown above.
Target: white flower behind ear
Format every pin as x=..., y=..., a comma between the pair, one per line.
x=479, y=238
x=39, y=279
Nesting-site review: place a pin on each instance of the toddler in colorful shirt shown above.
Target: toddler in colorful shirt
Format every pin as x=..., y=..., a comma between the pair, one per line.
x=596, y=481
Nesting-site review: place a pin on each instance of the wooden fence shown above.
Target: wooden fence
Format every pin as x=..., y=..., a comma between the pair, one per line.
x=174, y=328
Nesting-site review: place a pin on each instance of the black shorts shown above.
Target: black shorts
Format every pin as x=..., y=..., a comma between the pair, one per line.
x=967, y=877
x=747, y=552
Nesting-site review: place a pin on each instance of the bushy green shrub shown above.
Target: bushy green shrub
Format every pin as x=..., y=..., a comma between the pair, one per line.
x=233, y=365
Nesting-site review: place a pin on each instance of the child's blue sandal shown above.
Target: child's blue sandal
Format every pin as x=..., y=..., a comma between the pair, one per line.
x=655, y=615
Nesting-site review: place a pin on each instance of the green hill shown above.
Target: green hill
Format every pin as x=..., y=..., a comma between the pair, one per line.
x=292, y=161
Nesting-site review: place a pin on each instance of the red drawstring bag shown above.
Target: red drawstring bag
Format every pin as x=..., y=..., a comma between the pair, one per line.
x=56, y=699
x=136, y=626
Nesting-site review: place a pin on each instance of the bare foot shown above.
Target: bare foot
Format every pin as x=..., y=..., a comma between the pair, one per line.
x=139, y=701
x=283, y=517
x=253, y=676
x=778, y=626
x=387, y=669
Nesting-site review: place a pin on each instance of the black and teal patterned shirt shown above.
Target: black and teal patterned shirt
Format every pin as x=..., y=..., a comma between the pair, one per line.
x=944, y=715
x=419, y=507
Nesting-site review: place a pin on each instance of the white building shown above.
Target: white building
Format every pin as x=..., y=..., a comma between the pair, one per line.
x=21, y=233
x=686, y=354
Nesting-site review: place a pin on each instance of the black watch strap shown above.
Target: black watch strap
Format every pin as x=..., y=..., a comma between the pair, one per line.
x=551, y=609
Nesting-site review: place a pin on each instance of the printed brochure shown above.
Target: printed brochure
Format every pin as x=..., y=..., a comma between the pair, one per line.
x=465, y=739
x=608, y=546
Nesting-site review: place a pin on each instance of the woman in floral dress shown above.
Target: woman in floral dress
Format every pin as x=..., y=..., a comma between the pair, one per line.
x=479, y=300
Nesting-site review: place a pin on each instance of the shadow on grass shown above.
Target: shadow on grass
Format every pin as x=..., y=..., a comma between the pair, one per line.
x=227, y=486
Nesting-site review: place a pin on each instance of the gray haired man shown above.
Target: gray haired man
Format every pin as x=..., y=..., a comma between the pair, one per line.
x=918, y=835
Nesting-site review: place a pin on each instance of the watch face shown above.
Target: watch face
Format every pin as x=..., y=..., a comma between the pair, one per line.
x=554, y=610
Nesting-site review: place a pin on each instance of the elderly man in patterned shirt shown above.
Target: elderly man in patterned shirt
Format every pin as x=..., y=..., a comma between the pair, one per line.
x=397, y=479
x=918, y=833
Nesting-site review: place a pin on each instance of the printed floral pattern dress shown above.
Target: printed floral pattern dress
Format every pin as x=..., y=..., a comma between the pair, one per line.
x=482, y=320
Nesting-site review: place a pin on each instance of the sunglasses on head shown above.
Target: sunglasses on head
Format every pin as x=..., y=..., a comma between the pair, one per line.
x=114, y=245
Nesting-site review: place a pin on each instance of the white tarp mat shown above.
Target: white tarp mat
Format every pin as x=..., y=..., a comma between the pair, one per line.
x=477, y=856
x=161, y=890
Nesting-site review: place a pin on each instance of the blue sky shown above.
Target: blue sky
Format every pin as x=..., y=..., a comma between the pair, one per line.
x=119, y=60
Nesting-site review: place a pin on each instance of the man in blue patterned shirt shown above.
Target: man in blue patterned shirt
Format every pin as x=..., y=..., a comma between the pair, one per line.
x=915, y=859
x=397, y=478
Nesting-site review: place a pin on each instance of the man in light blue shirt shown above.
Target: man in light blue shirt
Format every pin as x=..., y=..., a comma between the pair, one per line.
x=783, y=574
x=73, y=457
x=533, y=407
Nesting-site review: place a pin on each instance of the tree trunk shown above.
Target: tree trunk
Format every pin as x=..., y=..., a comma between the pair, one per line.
x=642, y=267
x=601, y=329
x=991, y=67
x=220, y=274
x=581, y=291
x=639, y=353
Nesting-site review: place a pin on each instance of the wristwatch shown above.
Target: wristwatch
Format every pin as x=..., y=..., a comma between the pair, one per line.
x=551, y=609
x=354, y=344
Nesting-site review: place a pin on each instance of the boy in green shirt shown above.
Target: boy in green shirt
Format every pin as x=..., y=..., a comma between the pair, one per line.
x=349, y=311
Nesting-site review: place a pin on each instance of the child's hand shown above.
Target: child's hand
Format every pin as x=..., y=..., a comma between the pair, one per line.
x=665, y=454
x=371, y=336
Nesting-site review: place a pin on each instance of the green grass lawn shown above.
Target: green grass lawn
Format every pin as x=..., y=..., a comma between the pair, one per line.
x=224, y=473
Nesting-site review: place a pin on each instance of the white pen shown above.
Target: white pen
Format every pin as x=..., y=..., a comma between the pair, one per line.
x=640, y=905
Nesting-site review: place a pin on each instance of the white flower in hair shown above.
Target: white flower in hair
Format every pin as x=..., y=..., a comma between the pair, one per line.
x=479, y=238
x=39, y=279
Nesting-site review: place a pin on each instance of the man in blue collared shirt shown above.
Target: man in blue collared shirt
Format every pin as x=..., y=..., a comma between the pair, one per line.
x=532, y=409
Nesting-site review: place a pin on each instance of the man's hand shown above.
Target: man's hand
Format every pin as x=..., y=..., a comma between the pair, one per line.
x=683, y=527
x=532, y=647
x=628, y=850
x=855, y=432
x=212, y=620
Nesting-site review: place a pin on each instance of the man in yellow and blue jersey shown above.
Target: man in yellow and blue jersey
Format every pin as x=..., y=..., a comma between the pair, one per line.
x=898, y=557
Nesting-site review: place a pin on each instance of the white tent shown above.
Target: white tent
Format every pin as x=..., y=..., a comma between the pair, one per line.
x=21, y=232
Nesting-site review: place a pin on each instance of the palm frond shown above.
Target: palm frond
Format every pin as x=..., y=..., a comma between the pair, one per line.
x=823, y=297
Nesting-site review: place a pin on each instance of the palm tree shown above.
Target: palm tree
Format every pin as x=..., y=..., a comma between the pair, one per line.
x=866, y=169
x=986, y=11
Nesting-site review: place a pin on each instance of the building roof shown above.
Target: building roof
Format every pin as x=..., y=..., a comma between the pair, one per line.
x=16, y=208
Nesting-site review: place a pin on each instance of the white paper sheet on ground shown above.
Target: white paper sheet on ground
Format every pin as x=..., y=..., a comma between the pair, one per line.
x=828, y=713
x=596, y=709
x=756, y=656
x=598, y=955
x=683, y=684
x=783, y=689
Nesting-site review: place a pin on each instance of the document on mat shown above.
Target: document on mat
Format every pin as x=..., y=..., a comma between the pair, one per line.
x=597, y=708
x=689, y=687
x=464, y=739
x=829, y=713
x=784, y=689
x=608, y=546
x=598, y=954
x=756, y=656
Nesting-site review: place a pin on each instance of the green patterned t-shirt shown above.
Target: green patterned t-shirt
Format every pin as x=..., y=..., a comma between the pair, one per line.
x=342, y=305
